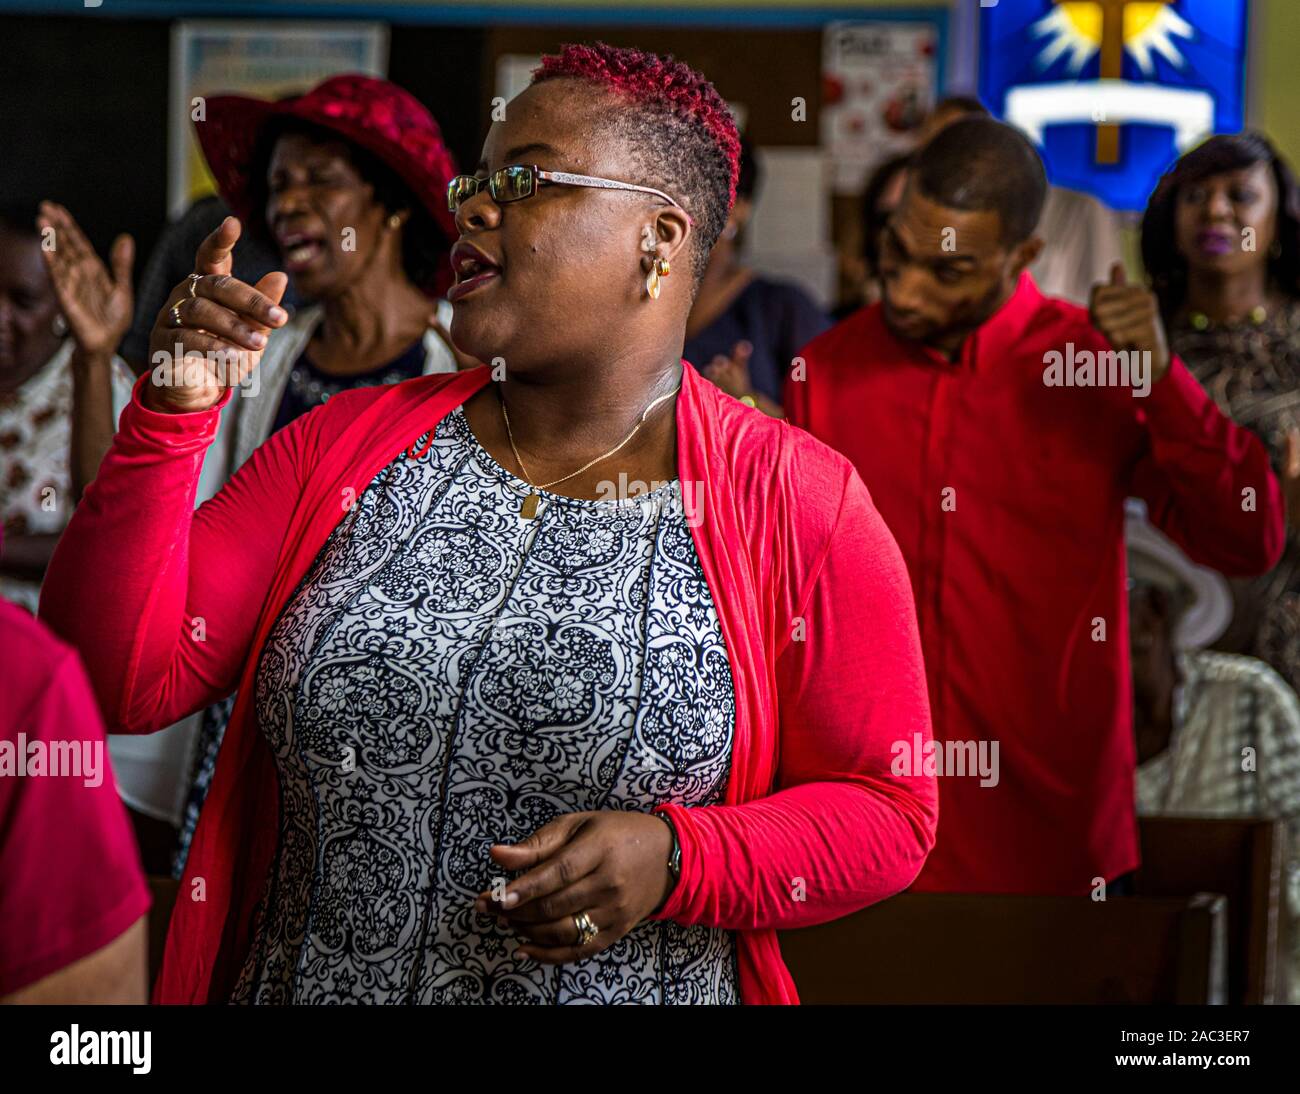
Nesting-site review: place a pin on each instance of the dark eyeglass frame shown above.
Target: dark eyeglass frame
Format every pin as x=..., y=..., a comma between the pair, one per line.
x=503, y=185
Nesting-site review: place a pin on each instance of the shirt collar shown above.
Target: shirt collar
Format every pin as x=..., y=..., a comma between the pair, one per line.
x=999, y=336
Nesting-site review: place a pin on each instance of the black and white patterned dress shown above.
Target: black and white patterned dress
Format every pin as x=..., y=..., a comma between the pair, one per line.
x=448, y=676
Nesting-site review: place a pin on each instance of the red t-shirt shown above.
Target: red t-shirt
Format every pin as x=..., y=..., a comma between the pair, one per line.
x=70, y=878
x=1006, y=495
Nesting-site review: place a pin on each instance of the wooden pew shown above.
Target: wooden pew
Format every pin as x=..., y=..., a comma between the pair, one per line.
x=983, y=949
x=1243, y=860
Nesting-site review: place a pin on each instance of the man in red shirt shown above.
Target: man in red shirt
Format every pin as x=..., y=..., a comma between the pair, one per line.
x=999, y=434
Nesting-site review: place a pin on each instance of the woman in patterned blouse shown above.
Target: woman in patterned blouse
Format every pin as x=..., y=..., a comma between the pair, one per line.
x=567, y=678
x=1221, y=244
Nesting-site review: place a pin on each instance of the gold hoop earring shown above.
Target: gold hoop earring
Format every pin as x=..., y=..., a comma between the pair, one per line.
x=659, y=268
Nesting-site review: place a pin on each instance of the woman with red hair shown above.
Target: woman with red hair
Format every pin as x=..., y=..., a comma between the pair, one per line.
x=563, y=679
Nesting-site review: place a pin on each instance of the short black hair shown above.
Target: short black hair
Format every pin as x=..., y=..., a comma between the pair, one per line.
x=1166, y=268
x=424, y=245
x=982, y=165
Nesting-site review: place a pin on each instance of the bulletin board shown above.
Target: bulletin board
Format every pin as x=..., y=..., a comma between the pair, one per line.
x=808, y=200
x=265, y=61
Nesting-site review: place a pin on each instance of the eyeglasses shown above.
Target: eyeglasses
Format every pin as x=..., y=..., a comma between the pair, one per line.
x=521, y=181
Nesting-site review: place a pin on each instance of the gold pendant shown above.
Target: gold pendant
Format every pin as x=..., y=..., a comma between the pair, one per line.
x=528, y=510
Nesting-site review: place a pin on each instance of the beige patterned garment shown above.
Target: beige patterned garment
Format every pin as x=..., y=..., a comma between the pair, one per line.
x=1252, y=372
x=35, y=465
x=1234, y=752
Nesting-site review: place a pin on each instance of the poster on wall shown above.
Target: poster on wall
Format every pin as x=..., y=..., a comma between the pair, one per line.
x=267, y=61
x=879, y=80
x=1112, y=91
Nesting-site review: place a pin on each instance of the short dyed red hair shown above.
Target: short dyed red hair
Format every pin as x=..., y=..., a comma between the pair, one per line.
x=684, y=125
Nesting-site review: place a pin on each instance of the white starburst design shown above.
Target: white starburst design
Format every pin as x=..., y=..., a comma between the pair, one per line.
x=1074, y=28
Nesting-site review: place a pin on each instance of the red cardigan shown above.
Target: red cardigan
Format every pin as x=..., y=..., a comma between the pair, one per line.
x=170, y=608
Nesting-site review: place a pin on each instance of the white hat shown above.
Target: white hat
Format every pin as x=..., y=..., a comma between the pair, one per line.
x=1155, y=557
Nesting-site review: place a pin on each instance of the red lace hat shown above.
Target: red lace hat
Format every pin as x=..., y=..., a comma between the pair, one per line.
x=379, y=116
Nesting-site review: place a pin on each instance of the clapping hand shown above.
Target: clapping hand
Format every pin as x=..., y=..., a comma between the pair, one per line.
x=96, y=304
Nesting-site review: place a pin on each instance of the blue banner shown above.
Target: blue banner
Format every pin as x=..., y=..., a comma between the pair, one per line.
x=1113, y=91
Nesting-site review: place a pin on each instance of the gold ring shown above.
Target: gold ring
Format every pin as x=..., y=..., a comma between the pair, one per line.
x=194, y=279
x=177, y=321
x=587, y=930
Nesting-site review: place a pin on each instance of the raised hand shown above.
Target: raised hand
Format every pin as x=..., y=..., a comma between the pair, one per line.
x=211, y=333
x=1129, y=317
x=732, y=373
x=97, y=304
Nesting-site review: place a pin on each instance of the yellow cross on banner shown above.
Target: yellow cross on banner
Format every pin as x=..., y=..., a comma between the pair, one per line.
x=1112, y=65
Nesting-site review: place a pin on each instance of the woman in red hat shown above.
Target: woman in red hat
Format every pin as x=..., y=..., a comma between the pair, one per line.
x=346, y=183
x=566, y=681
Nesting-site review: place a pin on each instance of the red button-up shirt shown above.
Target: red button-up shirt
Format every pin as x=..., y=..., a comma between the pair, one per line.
x=1006, y=496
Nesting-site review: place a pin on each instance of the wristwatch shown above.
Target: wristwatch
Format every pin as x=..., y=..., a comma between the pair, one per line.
x=674, y=860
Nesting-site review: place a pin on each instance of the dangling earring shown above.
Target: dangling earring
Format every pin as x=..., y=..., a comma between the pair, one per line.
x=395, y=221
x=59, y=326
x=658, y=268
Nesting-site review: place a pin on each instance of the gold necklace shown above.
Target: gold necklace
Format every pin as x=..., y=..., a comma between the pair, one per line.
x=528, y=508
x=1200, y=321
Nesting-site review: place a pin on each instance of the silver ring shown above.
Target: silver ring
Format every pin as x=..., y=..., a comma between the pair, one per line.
x=194, y=279
x=177, y=321
x=587, y=930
